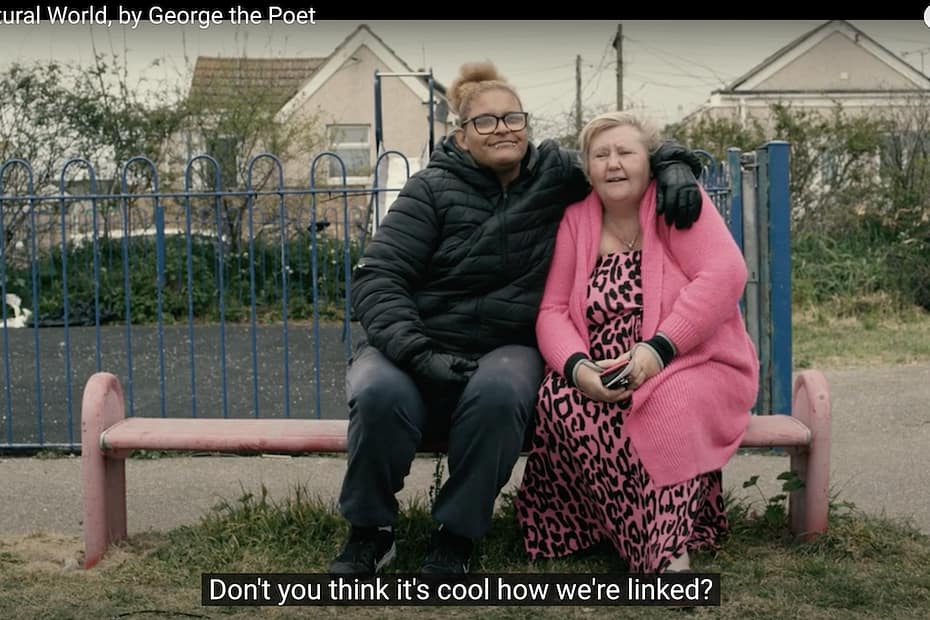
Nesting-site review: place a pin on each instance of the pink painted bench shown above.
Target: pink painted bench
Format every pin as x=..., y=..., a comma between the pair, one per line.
x=108, y=437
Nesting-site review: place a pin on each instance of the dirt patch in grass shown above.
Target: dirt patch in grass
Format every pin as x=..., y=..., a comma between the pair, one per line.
x=42, y=553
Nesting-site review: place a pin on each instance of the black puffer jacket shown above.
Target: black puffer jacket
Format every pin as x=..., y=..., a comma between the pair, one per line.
x=458, y=264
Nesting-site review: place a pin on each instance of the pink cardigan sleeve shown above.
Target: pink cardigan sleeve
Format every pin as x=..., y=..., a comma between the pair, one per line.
x=556, y=333
x=716, y=270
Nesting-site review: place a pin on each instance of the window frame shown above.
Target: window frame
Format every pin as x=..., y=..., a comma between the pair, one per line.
x=339, y=146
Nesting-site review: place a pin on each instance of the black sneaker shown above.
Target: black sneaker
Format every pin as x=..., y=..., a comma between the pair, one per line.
x=448, y=554
x=367, y=551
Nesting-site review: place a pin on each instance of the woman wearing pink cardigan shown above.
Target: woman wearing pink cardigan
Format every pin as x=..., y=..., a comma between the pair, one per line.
x=639, y=465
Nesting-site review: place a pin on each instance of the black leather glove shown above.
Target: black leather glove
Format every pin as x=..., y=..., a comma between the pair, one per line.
x=443, y=367
x=677, y=196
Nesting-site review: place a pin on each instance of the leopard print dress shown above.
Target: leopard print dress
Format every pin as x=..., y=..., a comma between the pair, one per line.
x=583, y=480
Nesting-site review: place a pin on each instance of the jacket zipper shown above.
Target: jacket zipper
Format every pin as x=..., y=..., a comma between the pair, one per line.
x=502, y=234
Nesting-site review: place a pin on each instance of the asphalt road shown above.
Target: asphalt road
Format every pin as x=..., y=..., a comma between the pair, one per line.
x=40, y=411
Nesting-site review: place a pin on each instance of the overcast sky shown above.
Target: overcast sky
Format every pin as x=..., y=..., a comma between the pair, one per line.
x=669, y=67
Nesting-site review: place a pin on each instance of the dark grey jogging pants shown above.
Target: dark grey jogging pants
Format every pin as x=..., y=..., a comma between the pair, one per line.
x=484, y=422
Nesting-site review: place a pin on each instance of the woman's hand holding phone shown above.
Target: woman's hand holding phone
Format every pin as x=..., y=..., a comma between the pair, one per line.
x=614, y=371
x=617, y=376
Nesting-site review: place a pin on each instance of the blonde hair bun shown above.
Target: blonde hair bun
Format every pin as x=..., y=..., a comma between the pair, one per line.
x=473, y=79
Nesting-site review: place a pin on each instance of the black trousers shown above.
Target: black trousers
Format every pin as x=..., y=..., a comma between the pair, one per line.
x=484, y=421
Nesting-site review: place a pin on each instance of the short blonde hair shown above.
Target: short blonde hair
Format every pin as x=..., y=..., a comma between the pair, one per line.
x=474, y=79
x=652, y=138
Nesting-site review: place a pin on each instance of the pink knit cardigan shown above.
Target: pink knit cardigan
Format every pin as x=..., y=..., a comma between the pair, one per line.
x=690, y=418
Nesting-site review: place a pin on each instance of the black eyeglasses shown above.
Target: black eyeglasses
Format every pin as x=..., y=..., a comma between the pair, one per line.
x=487, y=123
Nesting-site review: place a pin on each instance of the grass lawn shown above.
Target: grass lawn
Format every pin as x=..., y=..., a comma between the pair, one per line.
x=820, y=340
x=864, y=567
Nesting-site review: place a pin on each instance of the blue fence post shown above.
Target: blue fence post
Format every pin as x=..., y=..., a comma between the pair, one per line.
x=773, y=225
x=34, y=271
x=779, y=230
x=96, y=250
x=285, y=280
x=347, y=277
x=379, y=125
x=8, y=402
x=189, y=266
x=735, y=171
x=160, y=288
x=432, y=122
x=250, y=210
x=764, y=255
x=127, y=300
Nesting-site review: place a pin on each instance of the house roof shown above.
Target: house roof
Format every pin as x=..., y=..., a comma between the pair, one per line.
x=841, y=63
x=217, y=80
x=362, y=35
x=364, y=30
x=750, y=80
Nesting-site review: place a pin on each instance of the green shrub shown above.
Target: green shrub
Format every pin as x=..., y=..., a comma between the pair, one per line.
x=865, y=271
x=258, y=266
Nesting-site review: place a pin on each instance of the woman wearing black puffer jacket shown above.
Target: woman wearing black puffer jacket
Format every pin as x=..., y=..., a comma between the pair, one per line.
x=447, y=292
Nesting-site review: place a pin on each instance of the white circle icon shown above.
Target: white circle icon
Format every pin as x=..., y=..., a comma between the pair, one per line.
x=927, y=16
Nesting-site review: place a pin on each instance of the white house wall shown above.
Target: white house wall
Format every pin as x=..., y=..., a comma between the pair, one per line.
x=347, y=97
x=824, y=66
x=833, y=64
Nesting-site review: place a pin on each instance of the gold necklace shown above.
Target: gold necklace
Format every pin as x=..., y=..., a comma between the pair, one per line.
x=628, y=244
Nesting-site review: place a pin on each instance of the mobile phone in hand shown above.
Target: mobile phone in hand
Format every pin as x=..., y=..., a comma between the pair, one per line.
x=617, y=376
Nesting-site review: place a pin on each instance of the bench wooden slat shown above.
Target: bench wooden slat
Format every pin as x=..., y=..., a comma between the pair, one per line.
x=226, y=435
x=302, y=435
x=768, y=431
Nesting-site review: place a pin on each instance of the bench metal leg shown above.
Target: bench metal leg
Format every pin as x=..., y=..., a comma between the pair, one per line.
x=103, y=478
x=808, y=507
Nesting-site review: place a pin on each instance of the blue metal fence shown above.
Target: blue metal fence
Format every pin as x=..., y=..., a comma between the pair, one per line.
x=751, y=191
x=190, y=293
x=210, y=302
x=774, y=233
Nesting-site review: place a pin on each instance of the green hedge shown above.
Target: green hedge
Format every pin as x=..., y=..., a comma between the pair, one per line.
x=205, y=270
x=869, y=268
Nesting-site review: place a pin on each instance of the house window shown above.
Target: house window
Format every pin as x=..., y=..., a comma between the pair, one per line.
x=353, y=146
x=900, y=148
x=829, y=168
